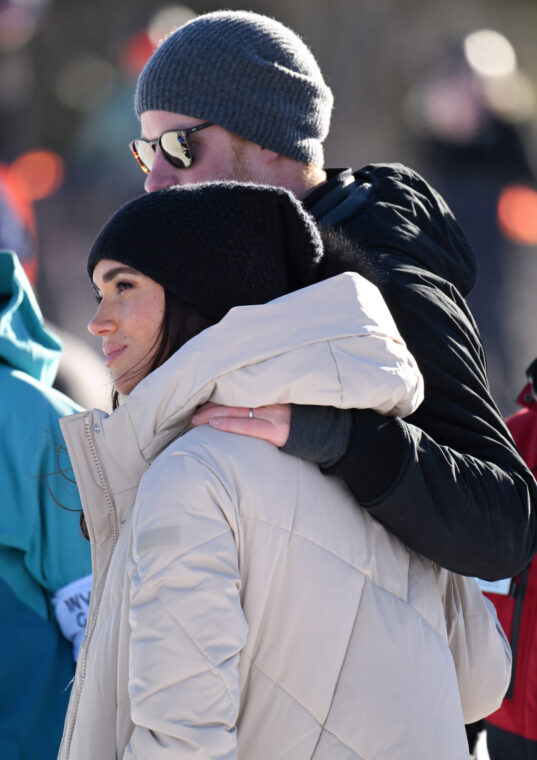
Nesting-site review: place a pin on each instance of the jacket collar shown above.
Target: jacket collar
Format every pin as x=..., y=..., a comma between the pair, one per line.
x=389, y=208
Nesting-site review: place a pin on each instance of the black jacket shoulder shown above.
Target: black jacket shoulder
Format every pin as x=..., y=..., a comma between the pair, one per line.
x=455, y=487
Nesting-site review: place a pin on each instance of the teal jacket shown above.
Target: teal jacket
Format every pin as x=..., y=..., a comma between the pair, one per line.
x=41, y=546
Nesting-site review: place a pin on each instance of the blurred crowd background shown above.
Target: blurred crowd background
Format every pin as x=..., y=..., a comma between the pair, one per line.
x=447, y=88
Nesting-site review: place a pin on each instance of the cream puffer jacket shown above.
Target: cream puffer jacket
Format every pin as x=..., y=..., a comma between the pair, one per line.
x=243, y=604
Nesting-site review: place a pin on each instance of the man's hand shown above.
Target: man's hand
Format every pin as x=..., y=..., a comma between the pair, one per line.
x=271, y=423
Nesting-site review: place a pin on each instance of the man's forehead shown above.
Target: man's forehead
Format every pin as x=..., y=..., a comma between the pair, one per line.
x=153, y=123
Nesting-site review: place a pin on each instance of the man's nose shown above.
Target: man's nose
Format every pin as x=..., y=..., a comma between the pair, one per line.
x=162, y=174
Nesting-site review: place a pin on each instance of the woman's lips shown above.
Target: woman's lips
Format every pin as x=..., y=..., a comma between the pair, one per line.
x=112, y=355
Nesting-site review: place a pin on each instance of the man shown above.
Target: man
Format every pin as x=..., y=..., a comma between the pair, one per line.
x=44, y=559
x=236, y=95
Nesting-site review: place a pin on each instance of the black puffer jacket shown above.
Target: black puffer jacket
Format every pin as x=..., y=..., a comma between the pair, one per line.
x=448, y=481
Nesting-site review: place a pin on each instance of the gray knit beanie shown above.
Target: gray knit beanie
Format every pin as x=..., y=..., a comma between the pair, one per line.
x=246, y=72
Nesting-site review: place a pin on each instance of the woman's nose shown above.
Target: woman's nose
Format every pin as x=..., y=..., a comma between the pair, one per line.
x=102, y=323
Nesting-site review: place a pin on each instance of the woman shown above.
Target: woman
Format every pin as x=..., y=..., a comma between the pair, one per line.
x=243, y=606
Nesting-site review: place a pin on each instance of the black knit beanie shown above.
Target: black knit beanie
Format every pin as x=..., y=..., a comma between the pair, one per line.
x=215, y=245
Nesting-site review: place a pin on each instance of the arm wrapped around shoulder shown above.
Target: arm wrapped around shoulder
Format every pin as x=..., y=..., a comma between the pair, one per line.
x=479, y=647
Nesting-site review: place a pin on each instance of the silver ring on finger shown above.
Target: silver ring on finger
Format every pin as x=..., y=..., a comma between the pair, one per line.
x=250, y=413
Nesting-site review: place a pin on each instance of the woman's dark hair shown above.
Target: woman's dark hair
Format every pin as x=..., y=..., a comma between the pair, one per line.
x=180, y=323
x=341, y=254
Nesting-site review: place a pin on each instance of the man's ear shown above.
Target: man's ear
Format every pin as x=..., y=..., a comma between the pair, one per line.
x=267, y=156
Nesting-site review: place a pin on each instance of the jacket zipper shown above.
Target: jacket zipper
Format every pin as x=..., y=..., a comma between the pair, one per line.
x=90, y=626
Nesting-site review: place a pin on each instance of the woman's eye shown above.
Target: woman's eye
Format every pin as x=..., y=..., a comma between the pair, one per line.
x=121, y=286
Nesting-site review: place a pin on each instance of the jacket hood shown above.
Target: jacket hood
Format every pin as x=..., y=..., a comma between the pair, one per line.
x=288, y=350
x=333, y=343
x=398, y=213
x=25, y=343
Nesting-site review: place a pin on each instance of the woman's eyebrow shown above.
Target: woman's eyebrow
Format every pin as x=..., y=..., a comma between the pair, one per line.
x=111, y=273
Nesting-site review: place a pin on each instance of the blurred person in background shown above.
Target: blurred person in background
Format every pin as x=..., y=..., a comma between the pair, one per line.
x=472, y=119
x=80, y=373
x=243, y=606
x=44, y=559
x=237, y=95
x=512, y=730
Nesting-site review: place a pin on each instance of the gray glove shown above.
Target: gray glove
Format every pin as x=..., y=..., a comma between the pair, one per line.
x=318, y=433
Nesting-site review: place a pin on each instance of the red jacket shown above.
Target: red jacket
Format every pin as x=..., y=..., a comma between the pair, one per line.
x=512, y=730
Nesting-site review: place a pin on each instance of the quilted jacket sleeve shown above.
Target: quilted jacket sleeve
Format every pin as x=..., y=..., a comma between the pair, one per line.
x=185, y=615
x=479, y=647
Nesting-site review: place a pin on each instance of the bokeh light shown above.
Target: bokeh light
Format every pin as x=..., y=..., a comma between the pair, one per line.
x=167, y=19
x=85, y=81
x=17, y=26
x=489, y=53
x=134, y=53
x=517, y=214
x=511, y=97
x=37, y=174
x=140, y=46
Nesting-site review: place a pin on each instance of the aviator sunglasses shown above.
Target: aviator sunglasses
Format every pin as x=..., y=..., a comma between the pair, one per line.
x=173, y=144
